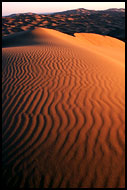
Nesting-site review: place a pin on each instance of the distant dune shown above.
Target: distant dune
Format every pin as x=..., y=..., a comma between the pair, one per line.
x=109, y=22
x=63, y=110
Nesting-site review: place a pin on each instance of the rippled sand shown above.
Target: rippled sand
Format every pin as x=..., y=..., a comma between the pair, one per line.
x=63, y=110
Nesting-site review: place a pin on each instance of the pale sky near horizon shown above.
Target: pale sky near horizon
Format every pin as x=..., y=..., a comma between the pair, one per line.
x=49, y=7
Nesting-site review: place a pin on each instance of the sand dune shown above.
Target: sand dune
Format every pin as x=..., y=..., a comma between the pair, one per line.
x=63, y=110
x=111, y=22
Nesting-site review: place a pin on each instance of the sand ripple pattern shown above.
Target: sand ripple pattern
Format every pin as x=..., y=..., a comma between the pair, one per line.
x=62, y=119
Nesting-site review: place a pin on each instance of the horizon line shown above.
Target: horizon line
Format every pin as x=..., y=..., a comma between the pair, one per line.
x=61, y=11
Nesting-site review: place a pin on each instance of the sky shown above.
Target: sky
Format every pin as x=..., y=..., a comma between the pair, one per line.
x=49, y=7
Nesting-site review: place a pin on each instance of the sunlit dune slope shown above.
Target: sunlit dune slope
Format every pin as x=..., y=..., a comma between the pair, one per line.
x=106, y=45
x=63, y=110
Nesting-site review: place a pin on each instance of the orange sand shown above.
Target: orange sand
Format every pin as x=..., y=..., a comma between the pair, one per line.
x=63, y=110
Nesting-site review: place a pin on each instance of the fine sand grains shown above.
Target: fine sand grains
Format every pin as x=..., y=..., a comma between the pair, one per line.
x=63, y=111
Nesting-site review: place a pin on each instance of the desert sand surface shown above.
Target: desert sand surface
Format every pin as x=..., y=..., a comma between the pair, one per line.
x=63, y=110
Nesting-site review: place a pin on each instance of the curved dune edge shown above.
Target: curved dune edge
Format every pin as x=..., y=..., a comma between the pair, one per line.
x=105, y=45
x=38, y=36
x=63, y=112
x=101, y=45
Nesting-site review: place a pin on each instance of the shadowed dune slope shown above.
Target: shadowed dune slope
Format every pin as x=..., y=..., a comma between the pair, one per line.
x=63, y=110
x=38, y=36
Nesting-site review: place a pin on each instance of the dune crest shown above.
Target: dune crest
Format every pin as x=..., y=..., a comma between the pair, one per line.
x=105, y=45
x=37, y=36
x=63, y=110
x=94, y=43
